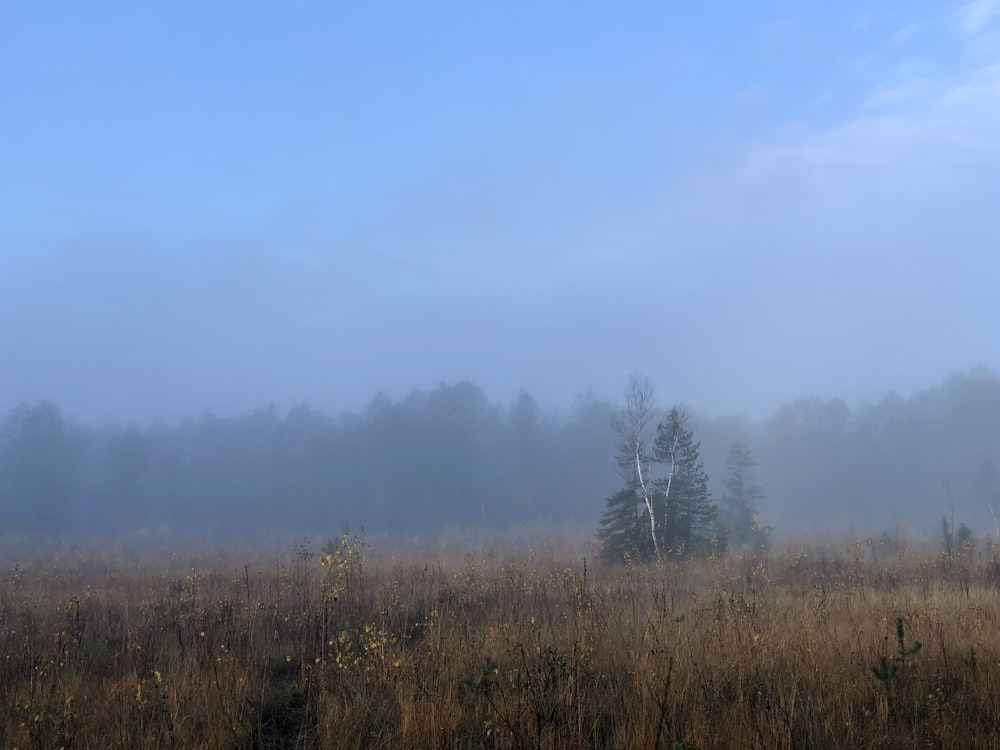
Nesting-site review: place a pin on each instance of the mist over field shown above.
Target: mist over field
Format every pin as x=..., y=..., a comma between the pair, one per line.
x=270, y=268
x=448, y=461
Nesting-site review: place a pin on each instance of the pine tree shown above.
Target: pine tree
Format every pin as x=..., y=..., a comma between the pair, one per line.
x=624, y=528
x=687, y=509
x=741, y=498
x=654, y=517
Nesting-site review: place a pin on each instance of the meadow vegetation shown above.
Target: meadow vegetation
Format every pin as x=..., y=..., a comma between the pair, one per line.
x=840, y=646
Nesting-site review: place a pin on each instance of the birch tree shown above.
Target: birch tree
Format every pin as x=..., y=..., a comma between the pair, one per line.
x=669, y=436
x=632, y=425
x=665, y=507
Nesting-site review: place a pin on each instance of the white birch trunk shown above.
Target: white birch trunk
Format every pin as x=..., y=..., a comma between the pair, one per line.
x=647, y=496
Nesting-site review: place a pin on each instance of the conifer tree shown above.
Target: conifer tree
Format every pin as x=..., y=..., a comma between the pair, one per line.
x=688, y=511
x=624, y=528
x=653, y=517
x=741, y=498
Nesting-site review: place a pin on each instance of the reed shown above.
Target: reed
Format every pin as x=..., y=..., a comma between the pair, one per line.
x=355, y=648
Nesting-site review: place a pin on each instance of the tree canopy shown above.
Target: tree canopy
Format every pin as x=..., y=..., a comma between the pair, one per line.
x=665, y=508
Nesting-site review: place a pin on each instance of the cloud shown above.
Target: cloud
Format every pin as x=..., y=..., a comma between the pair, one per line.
x=977, y=15
x=895, y=94
x=901, y=36
x=917, y=130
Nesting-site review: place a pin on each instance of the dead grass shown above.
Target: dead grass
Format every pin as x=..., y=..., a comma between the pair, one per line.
x=517, y=650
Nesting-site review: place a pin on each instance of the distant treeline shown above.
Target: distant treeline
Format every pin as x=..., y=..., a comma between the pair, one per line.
x=435, y=459
x=450, y=458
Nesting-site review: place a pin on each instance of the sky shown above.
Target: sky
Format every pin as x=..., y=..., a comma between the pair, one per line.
x=229, y=205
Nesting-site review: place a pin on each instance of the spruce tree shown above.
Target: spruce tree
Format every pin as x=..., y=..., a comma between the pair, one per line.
x=741, y=498
x=687, y=508
x=654, y=517
x=624, y=528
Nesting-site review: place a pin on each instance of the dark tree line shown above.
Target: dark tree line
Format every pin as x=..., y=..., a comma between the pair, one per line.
x=450, y=457
x=437, y=459
x=895, y=463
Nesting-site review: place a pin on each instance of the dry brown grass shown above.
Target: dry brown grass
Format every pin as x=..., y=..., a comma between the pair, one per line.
x=509, y=651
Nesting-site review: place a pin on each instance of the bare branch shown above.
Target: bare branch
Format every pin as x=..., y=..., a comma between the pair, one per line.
x=631, y=424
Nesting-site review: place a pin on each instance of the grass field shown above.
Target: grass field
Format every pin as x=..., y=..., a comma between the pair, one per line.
x=354, y=648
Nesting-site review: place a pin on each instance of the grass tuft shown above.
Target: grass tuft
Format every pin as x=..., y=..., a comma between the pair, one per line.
x=808, y=647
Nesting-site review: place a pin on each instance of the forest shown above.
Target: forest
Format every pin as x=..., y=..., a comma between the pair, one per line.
x=450, y=460
x=505, y=640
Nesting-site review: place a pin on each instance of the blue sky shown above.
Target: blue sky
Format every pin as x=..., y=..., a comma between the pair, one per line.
x=227, y=205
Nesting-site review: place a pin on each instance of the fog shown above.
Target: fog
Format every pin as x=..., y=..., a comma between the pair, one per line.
x=214, y=215
x=450, y=462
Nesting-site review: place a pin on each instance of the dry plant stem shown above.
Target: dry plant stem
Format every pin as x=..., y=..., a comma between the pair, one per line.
x=812, y=647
